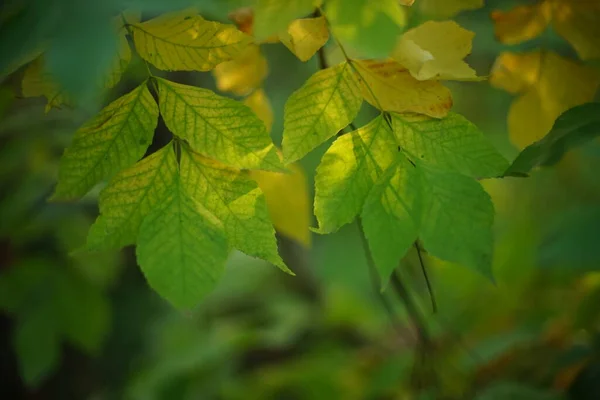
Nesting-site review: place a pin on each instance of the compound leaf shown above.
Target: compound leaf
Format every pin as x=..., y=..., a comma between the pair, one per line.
x=324, y=105
x=217, y=127
x=185, y=41
x=114, y=139
x=182, y=249
x=129, y=197
x=453, y=143
x=348, y=170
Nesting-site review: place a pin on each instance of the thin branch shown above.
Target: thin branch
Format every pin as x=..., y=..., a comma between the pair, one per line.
x=427, y=281
x=411, y=309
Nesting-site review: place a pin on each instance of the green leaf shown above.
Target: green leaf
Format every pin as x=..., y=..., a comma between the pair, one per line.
x=573, y=128
x=236, y=200
x=113, y=140
x=217, y=127
x=130, y=196
x=274, y=16
x=348, y=170
x=182, y=249
x=185, y=41
x=38, y=82
x=451, y=143
x=392, y=214
x=37, y=344
x=457, y=219
x=324, y=105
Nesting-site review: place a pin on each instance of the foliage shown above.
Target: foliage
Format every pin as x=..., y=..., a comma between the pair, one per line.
x=188, y=174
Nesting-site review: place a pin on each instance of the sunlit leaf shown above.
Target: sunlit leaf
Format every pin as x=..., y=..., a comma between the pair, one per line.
x=556, y=85
x=181, y=248
x=304, y=37
x=114, y=139
x=392, y=214
x=324, y=105
x=522, y=23
x=129, y=197
x=287, y=201
x=457, y=220
x=236, y=200
x=435, y=50
x=573, y=128
x=389, y=86
x=258, y=102
x=451, y=143
x=348, y=170
x=185, y=41
x=244, y=73
x=216, y=126
x=273, y=16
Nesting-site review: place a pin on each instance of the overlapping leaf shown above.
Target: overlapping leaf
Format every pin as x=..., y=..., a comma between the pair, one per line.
x=389, y=86
x=304, y=37
x=235, y=200
x=182, y=248
x=259, y=103
x=114, y=139
x=549, y=85
x=244, y=73
x=186, y=42
x=348, y=170
x=443, y=9
x=392, y=214
x=324, y=105
x=130, y=196
x=273, y=16
x=451, y=143
x=38, y=82
x=435, y=50
x=217, y=127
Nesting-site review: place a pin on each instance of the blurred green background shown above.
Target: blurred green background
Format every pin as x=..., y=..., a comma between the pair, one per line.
x=81, y=326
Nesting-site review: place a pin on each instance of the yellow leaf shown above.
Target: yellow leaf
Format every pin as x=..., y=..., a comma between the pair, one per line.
x=287, y=201
x=579, y=23
x=406, y=2
x=243, y=18
x=435, y=50
x=442, y=9
x=242, y=74
x=273, y=16
x=549, y=85
x=259, y=103
x=187, y=42
x=389, y=86
x=521, y=23
x=304, y=37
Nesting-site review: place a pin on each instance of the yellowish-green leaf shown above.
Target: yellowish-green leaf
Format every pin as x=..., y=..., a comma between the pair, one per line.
x=391, y=215
x=389, y=86
x=451, y=143
x=579, y=23
x=443, y=9
x=287, y=201
x=304, y=37
x=259, y=103
x=348, y=170
x=113, y=140
x=37, y=82
x=129, y=197
x=457, y=219
x=185, y=41
x=549, y=85
x=522, y=23
x=182, y=249
x=236, y=201
x=273, y=16
x=217, y=127
x=435, y=50
x=324, y=105
x=120, y=62
x=244, y=73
